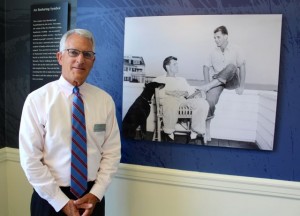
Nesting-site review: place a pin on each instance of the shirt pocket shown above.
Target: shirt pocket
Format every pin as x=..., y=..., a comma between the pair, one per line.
x=99, y=127
x=98, y=133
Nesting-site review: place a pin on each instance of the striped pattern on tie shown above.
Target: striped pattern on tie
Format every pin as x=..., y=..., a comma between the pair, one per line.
x=79, y=149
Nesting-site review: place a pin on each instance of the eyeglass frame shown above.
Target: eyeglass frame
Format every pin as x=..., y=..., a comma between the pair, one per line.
x=83, y=53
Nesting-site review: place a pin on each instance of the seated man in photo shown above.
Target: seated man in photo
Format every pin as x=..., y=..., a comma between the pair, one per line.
x=177, y=92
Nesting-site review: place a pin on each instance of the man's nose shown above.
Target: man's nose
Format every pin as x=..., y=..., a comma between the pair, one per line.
x=80, y=58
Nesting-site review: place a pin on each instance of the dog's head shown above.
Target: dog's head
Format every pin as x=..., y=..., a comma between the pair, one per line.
x=154, y=85
x=149, y=90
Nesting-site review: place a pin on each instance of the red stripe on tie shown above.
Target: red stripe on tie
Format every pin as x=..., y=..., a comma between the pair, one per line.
x=79, y=159
x=75, y=192
x=79, y=171
x=79, y=134
x=79, y=146
x=78, y=108
x=78, y=120
x=79, y=96
x=78, y=183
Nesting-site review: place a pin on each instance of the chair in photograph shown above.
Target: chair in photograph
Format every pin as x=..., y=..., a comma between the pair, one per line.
x=184, y=121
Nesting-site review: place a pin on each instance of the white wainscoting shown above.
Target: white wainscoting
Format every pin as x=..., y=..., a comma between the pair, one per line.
x=236, y=116
x=17, y=190
x=151, y=191
x=3, y=183
x=247, y=117
x=266, y=119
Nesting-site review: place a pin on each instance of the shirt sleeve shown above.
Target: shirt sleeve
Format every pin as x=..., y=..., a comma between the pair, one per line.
x=31, y=147
x=240, y=59
x=208, y=60
x=111, y=154
x=190, y=89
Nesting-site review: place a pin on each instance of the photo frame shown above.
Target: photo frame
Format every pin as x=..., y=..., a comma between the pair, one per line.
x=244, y=120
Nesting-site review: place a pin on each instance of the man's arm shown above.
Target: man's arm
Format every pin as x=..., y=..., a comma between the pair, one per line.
x=111, y=153
x=31, y=147
x=206, y=74
x=242, y=78
x=177, y=93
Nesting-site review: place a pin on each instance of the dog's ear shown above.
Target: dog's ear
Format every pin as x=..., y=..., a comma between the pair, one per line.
x=150, y=84
x=160, y=85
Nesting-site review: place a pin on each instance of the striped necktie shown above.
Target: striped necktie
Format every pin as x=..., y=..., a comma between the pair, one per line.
x=79, y=149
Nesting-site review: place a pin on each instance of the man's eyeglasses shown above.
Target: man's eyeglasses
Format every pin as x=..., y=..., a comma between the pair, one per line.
x=86, y=54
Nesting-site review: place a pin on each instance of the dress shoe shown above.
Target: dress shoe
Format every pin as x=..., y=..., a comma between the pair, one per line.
x=193, y=135
x=171, y=136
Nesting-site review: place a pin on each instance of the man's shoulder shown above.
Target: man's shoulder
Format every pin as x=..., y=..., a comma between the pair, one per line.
x=41, y=91
x=94, y=88
x=234, y=48
x=97, y=91
x=159, y=78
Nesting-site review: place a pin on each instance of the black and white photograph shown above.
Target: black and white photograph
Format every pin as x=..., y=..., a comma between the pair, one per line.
x=202, y=79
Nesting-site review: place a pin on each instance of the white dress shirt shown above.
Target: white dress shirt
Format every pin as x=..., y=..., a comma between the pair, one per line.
x=219, y=60
x=173, y=84
x=45, y=139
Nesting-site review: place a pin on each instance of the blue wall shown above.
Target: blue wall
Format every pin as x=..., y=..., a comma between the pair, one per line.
x=106, y=19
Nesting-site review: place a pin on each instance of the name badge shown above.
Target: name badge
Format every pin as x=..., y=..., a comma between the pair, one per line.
x=99, y=127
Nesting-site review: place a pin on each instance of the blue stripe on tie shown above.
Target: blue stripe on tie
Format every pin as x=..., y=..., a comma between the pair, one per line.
x=78, y=174
x=80, y=152
x=78, y=134
x=79, y=111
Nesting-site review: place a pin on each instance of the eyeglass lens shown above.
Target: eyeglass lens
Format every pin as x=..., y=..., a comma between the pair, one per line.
x=75, y=53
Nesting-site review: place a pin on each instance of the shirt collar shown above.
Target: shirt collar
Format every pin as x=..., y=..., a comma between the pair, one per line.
x=228, y=47
x=67, y=88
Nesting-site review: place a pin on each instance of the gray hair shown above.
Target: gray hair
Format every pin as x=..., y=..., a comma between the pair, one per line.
x=82, y=32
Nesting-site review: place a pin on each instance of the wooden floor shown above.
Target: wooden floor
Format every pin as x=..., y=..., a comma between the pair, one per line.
x=199, y=141
x=232, y=144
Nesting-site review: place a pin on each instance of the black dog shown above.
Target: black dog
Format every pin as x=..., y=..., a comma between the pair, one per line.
x=139, y=111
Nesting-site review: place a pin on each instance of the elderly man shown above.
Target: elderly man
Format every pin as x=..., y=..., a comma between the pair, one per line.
x=69, y=138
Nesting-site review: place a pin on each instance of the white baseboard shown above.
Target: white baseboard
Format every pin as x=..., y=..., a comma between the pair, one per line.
x=9, y=154
x=238, y=184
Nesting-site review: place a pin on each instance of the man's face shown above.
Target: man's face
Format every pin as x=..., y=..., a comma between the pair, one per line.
x=220, y=39
x=172, y=67
x=76, y=69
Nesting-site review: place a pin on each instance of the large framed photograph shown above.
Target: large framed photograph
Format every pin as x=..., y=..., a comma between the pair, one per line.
x=202, y=79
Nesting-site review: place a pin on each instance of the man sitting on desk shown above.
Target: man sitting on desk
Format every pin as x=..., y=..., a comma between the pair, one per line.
x=178, y=92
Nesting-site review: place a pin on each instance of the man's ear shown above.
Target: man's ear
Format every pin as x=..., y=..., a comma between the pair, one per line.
x=58, y=57
x=168, y=68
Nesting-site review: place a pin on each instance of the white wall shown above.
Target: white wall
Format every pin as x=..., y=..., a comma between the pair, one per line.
x=151, y=191
x=3, y=182
x=17, y=190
